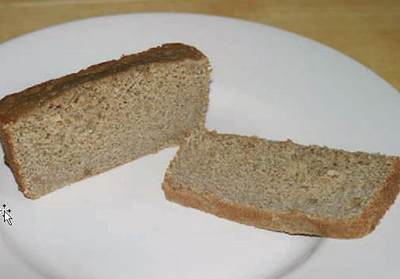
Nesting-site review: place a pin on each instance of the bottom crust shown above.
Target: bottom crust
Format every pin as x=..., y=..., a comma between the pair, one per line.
x=293, y=222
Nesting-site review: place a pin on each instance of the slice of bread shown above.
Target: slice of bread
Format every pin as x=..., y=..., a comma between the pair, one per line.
x=283, y=186
x=82, y=124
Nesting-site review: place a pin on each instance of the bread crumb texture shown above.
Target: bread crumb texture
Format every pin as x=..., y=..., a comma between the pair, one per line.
x=282, y=185
x=113, y=115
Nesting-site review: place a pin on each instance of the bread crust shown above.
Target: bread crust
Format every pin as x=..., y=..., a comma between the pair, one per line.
x=9, y=159
x=15, y=105
x=294, y=222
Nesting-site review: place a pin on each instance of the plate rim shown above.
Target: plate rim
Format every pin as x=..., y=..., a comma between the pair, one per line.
x=77, y=22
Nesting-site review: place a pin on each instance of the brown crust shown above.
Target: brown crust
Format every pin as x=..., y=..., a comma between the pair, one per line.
x=292, y=223
x=9, y=159
x=15, y=105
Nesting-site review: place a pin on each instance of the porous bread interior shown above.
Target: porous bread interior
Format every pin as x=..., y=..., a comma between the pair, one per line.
x=279, y=177
x=100, y=124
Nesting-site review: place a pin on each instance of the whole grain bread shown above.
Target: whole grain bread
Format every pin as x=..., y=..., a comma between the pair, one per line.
x=283, y=186
x=79, y=125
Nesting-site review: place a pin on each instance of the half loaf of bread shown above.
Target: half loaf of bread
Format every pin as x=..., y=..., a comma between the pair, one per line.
x=283, y=186
x=109, y=114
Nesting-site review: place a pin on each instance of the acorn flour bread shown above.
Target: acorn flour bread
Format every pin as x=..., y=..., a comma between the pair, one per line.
x=283, y=186
x=70, y=128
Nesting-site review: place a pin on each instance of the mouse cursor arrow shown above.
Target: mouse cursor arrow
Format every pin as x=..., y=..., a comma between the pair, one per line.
x=7, y=217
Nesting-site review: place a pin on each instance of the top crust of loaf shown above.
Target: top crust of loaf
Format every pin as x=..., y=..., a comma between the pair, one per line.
x=14, y=106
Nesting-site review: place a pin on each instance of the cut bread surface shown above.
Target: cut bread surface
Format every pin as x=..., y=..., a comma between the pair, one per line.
x=67, y=129
x=283, y=186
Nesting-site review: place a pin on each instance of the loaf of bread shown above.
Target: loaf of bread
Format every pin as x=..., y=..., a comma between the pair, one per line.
x=67, y=129
x=283, y=186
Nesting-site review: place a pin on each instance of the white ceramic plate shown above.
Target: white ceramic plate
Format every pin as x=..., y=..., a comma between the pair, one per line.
x=266, y=82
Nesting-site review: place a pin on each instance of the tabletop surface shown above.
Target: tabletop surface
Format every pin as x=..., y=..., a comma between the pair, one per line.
x=367, y=30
